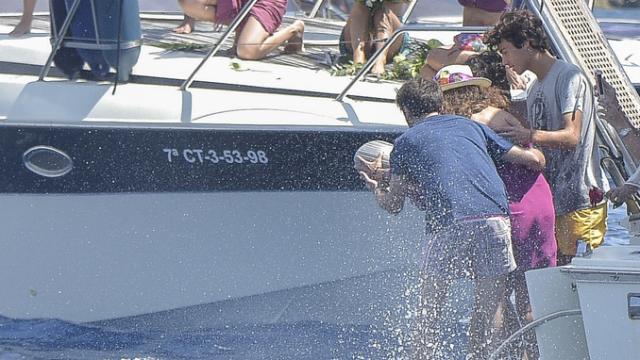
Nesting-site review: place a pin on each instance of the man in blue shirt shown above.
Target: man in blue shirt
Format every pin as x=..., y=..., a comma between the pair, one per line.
x=450, y=160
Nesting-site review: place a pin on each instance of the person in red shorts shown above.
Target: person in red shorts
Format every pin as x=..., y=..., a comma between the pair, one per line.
x=258, y=34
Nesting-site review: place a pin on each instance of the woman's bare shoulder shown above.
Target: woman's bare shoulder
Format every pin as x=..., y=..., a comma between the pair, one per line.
x=494, y=117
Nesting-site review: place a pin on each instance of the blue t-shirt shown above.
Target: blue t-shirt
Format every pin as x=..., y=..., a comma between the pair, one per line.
x=452, y=159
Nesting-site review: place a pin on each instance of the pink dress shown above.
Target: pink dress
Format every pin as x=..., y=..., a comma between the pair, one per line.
x=269, y=13
x=532, y=217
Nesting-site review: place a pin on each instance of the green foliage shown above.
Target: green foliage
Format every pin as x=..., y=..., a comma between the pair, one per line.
x=405, y=66
x=234, y=65
x=345, y=69
x=183, y=46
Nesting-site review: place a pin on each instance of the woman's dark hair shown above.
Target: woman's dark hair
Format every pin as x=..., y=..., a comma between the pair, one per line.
x=517, y=27
x=419, y=97
x=489, y=64
x=464, y=101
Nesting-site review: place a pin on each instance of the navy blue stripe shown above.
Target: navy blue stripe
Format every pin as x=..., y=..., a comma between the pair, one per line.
x=113, y=160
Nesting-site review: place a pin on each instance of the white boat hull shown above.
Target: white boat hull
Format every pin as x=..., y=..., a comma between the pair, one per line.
x=90, y=257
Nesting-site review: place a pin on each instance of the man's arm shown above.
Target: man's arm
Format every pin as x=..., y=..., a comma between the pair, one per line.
x=531, y=158
x=390, y=196
x=609, y=109
x=565, y=138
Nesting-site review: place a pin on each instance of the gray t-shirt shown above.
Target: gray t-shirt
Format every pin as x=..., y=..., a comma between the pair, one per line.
x=570, y=172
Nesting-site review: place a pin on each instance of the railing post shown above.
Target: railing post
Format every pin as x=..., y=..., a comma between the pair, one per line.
x=316, y=8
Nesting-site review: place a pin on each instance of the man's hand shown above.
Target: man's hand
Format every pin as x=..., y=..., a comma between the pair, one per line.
x=621, y=194
x=609, y=108
x=372, y=169
x=518, y=134
x=371, y=184
x=517, y=82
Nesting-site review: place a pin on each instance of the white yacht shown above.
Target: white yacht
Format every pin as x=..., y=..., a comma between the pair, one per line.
x=161, y=193
x=208, y=190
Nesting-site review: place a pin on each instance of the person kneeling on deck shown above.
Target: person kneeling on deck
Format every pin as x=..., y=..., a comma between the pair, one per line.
x=258, y=33
x=451, y=159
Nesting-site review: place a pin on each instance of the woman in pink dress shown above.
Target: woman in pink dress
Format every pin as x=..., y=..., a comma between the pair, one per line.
x=531, y=208
x=258, y=34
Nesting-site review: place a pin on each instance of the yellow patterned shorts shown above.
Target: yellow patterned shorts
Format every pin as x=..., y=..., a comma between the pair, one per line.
x=587, y=225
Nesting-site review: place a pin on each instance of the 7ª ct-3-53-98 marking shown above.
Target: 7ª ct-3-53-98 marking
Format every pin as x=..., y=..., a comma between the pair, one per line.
x=210, y=156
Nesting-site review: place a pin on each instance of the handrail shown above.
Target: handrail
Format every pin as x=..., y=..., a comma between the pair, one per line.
x=405, y=28
x=534, y=324
x=409, y=11
x=316, y=8
x=59, y=38
x=232, y=27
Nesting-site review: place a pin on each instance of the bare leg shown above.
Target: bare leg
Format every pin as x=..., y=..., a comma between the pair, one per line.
x=24, y=26
x=201, y=10
x=254, y=42
x=477, y=17
x=509, y=319
x=526, y=316
x=358, y=31
x=385, y=22
x=427, y=338
x=443, y=56
x=188, y=25
x=483, y=337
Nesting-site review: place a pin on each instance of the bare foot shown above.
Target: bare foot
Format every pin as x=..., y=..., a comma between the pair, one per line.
x=296, y=43
x=188, y=25
x=378, y=68
x=22, y=28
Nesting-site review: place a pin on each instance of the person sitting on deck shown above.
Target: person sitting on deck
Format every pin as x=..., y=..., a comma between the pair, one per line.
x=369, y=25
x=530, y=202
x=24, y=26
x=465, y=45
x=451, y=159
x=258, y=34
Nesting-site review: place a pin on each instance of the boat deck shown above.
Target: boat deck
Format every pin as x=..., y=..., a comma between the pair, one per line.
x=163, y=48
